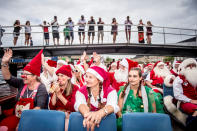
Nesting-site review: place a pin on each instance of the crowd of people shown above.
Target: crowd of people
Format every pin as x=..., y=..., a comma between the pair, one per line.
x=68, y=31
x=97, y=90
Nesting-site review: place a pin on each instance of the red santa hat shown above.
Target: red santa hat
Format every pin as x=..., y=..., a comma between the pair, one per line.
x=34, y=66
x=80, y=68
x=175, y=63
x=158, y=63
x=66, y=70
x=100, y=74
x=52, y=63
x=128, y=63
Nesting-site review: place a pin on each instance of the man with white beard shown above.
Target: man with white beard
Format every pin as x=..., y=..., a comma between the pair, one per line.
x=120, y=76
x=185, y=86
x=155, y=78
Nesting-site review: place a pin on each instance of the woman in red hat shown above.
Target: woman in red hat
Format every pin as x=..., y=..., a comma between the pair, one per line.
x=63, y=97
x=31, y=93
x=97, y=99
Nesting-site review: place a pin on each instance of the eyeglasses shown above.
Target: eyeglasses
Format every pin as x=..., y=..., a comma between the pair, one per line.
x=26, y=74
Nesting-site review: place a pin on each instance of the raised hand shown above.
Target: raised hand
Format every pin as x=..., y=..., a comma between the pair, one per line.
x=7, y=56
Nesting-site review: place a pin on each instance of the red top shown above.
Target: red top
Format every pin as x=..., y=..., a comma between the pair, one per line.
x=155, y=79
x=46, y=29
x=69, y=105
x=116, y=85
x=188, y=89
x=174, y=73
x=106, y=91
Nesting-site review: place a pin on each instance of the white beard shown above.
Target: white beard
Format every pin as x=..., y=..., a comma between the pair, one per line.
x=162, y=72
x=191, y=76
x=121, y=75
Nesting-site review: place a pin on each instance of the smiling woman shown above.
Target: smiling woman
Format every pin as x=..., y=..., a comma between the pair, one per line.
x=31, y=93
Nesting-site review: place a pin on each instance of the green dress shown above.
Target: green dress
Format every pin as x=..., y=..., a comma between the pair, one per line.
x=135, y=103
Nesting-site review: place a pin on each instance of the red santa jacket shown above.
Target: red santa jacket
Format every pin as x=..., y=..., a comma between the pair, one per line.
x=155, y=79
x=188, y=89
x=69, y=105
x=174, y=73
x=116, y=85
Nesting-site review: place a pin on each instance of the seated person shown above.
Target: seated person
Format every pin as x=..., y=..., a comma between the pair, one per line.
x=97, y=99
x=31, y=93
x=185, y=86
x=63, y=97
x=134, y=97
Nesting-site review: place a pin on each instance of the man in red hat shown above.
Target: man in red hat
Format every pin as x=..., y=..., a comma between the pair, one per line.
x=120, y=76
x=31, y=93
x=156, y=77
x=185, y=86
x=174, y=69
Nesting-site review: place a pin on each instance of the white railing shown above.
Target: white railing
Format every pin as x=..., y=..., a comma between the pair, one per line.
x=161, y=35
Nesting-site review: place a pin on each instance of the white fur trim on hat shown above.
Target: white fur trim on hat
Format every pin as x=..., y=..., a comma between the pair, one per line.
x=96, y=74
x=173, y=109
x=62, y=62
x=168, y=79
x=160, y=63
x=80, y=68
x=124, y=62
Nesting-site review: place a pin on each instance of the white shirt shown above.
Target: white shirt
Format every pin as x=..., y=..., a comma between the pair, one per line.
x=46, y=80
x=111, y=100
x=178, y=90
x=55, y=26
x=82, y=23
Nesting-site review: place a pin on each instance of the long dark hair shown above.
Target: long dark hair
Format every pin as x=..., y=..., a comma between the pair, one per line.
x=139, y=88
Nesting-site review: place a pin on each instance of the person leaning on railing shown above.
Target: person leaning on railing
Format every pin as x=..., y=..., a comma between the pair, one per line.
x=97, y=99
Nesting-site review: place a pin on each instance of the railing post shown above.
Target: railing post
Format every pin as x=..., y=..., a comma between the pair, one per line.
x=164, y=37
x=196, y=36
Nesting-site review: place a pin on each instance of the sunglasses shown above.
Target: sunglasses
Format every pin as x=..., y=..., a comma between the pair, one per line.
x=25, y=75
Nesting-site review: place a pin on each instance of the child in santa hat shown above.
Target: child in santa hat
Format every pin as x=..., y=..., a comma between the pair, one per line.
x=97, y=99
x=31, y=93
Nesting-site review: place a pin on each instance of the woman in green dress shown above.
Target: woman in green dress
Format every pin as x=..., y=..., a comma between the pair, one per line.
x=134, y=97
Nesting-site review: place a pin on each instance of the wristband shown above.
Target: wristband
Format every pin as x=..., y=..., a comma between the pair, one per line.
x=4, y=64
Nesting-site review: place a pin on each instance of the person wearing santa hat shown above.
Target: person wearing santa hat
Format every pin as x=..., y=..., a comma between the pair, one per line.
x=32, y=93
x=97, y=99
x=112, y=67
x=78, y=75
x=63, y=97
x=147, y=69
x=175, y=67
x=134, y=97
x=120, y=76
x=185, y=86
x=155, y=78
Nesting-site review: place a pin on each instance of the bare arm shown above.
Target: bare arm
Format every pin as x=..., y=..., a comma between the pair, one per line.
x=5, y=64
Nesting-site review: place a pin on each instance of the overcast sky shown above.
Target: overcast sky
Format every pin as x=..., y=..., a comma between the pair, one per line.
x=173, y=13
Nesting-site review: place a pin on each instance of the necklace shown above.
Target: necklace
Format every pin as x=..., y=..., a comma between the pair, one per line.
x=28, y=96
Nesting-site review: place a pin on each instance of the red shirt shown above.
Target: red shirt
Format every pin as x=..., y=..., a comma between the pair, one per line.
x=70, y=101
x=188, y=89
x=46, y=29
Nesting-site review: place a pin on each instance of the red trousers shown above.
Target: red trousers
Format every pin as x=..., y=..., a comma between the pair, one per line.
x=188, y=107
x=11, y=122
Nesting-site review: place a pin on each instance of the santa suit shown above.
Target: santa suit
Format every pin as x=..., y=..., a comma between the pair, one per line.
x=174, y=73
x=156, y=81
x=116, y=85
x=185, y=92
